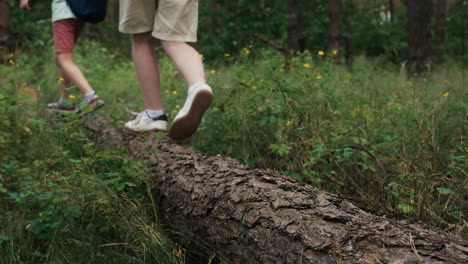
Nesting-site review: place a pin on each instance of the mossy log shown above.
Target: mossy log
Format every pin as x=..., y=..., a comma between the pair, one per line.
x=260, y=216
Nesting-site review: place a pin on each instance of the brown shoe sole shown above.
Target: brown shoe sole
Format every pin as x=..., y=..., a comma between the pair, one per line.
x=187, y=125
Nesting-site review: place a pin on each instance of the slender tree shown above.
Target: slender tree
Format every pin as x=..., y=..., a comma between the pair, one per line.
x=440, y=16
x=293, y=25
x=419, y=36
x=4, y=31
x=348, y=12
x=391, y=9
x=334, y=29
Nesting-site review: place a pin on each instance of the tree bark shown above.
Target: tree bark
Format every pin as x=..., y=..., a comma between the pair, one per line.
x=293, y=25
x=391, y=9
x=4, y=31
x=419, y=37
x=348, y=39
x=441, y=15
x=260, y=216
x=334, y=30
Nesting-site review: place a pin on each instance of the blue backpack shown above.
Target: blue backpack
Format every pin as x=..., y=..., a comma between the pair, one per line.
x=93, y=11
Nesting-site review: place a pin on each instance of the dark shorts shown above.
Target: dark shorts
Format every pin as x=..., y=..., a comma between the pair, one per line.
x=66, y=33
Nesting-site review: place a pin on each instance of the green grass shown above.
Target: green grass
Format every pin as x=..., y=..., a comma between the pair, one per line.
x=392, y=144
x=64, y=201
x=389, y=143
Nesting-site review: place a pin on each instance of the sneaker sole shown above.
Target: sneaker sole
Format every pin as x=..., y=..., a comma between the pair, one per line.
x=186, y=126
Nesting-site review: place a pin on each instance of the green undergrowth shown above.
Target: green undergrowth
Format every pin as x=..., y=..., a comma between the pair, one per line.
x=64, y=201
x=390, y=143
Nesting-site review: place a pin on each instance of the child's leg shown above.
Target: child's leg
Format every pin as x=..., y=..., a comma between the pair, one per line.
x=147, y=69
x=66, y=33
x=187, y=61
x=71, y=72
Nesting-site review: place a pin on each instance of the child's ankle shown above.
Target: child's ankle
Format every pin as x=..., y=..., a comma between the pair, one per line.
x=154, y=113
x=89, y=96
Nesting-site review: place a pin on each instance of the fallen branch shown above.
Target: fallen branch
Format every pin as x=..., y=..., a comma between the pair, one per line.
x=259, y=216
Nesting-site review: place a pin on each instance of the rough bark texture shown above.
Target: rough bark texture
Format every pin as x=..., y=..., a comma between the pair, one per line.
x=419, y=37
x=259, y=216
x=4, y=31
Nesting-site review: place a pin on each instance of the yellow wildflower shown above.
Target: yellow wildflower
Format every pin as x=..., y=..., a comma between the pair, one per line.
x=247, y=51
x=307, y=65
x=60, y=80
x=213, y=71
x=289, y=123
x=254, y=87
x=201, y=56
x=11, y=62
x=40, y=214
x=71, y=96
x=227, y=55
x=445, y=94
x=174, y=92
x=281, y=70
x=335, y=52
x=177, y=106
x=321, y=53
x=166, y=91
x=319, y=77
x=174, y=111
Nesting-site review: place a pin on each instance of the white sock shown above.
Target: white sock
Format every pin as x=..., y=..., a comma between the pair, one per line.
x=154, y=113
x=89, y=96
x=195, y=86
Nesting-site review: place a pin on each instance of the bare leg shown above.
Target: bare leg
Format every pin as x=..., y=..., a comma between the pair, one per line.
x=187, y=61
x=147, y=69
x=71, y=72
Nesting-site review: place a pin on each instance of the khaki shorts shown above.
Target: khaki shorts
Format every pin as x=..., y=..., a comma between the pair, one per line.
x=172, y=20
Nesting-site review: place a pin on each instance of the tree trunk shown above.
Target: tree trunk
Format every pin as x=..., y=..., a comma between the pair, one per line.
x=334, y=31
x=391, y=9
x=4, y=31
x=259, y=216
x=440, y=17
x=293, y=25
x=440, y=14
x=419, y=37
x=348, y=39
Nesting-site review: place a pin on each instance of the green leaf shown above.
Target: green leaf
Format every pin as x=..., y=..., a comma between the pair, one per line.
x=442, y=190
x=406, y=208
x=4, y=238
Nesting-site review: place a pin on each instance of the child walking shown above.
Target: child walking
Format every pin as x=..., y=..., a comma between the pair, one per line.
x=66, y=30
x=174, y=23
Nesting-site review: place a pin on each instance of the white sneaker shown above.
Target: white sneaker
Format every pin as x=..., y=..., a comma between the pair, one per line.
x=189, y=117
x=142, y=123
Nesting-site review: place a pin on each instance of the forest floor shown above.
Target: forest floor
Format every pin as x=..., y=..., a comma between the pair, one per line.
x=392, y=144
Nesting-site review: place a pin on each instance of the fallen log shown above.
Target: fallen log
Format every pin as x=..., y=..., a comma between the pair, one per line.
x=259, y=216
